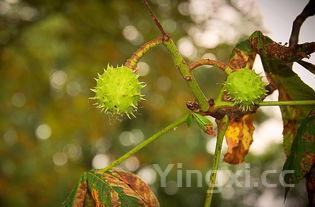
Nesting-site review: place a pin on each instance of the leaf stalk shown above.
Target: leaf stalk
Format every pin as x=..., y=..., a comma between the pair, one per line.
x=145, y=143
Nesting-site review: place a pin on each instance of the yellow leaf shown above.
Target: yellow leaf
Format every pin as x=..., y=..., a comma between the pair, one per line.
x=239, y=137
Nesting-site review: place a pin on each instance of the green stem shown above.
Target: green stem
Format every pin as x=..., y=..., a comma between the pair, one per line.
x=220, y=104
x=144, y=143
x=222, y=127
x=287, y=103
x=186, y=74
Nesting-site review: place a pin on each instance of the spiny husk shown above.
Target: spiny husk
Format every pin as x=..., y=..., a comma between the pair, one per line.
x=118, y=91
x=245, y=88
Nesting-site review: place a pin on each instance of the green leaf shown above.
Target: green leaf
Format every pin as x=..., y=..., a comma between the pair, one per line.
x=204, y=123
x=298, y=128
x=189, y=120
x=302, y=155
x=289, y=85
x=113, y=188
x=242, y=56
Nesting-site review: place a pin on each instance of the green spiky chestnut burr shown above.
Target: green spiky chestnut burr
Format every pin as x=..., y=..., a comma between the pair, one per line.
x=118, y=91
x=245, y=88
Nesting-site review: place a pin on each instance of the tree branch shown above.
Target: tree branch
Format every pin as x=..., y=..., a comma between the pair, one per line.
x=183, y=68
x=308, y=11
x=154, y=18
x=309, y=66
x=180, y=62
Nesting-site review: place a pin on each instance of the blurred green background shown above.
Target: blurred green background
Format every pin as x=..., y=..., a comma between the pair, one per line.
x=50, y=51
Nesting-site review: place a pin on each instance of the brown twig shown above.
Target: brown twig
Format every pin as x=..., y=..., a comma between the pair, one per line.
x=133, y=60
x=308, y=11
x=202, y=62
x=270, y=89
x=179, y=61
x=309, y=66
x=155, y=19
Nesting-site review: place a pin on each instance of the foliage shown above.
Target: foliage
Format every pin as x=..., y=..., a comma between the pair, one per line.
x=290, y=87
x=113, y=188
x=302, y=154
x=242, y=91
x=203, y=122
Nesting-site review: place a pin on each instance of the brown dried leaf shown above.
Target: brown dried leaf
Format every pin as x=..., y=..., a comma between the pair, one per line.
x=239, y=137
x=140, y=187
x=114, y=188
x=80, y=194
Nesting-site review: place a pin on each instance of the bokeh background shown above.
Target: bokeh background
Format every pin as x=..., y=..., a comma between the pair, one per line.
x=50, y=133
